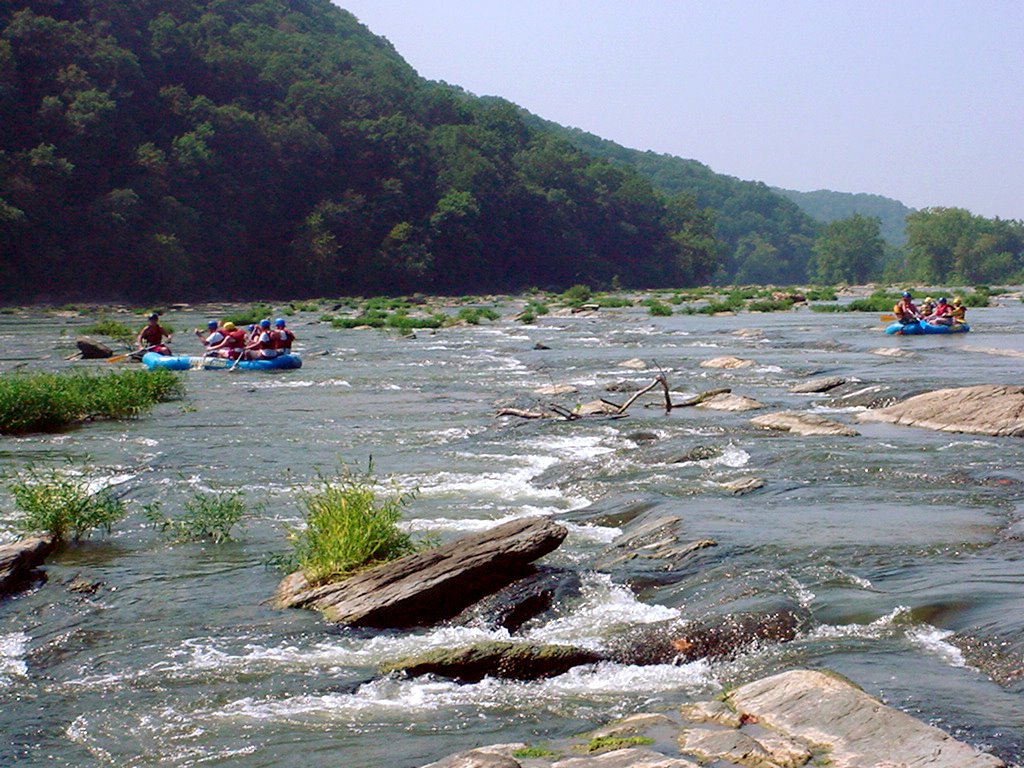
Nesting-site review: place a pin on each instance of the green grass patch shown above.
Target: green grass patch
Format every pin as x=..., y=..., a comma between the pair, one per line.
x=208, y=517
x=828, y=308
x=538, y=752
x=820, y=294
x=609, y=743
x=657, y=308
x=611, y=301
x=473, y=315
x=50, y=402
x=247, y=316
x=577, y=296
x=879, y=301
x=63, y=505
x=770, y=305
x=350, y=525
x=112, y=329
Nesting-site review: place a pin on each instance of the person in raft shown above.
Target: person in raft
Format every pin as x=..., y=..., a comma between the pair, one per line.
x=232, y=343
x=152, y=337
x=263, y=347
x=927, y=307
x=214, y=335
x=959, y=310
x=905, y=309
x=943, y=314
x=283, y=337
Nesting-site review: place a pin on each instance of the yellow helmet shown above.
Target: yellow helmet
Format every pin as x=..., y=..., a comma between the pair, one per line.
x=930, y=300
x=229, y=326
x=957, y=301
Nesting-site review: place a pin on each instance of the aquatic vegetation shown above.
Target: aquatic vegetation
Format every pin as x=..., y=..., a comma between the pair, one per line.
x=657, y=308
x=770, y=305
x=113, y=329
x=533, y=752
x=473, y=315
x=609, y=743
x=64, y=505
x=208, y=517
x=350, y=525
x=577, y=295
x=820, y=294
x=49, y=402
x=247, y=316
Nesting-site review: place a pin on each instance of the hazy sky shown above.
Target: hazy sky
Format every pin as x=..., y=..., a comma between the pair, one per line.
x=919, y=100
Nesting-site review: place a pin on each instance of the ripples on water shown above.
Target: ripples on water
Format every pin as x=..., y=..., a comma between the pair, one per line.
x=893, y=541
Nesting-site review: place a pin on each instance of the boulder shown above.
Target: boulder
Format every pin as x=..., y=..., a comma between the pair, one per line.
x=720, y=637
x=855, y=729
x=556, y=389
x=996, y=410
x=710, y=712
x=802, y=424
x=742, y=485
x=749, y=333
x=697, y=453
x=726, y=362
x=818, y=385
x=430, y=586
x=507, y=660
x=19, y=559
x=651, y=539
x=635, y=364
x=733, y=745
x=730, y=402
x=597, y=408
x=512, y=606
x=92, y=349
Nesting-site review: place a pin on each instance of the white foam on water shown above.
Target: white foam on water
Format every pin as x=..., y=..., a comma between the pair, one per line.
x=604, y=607
x=768, y=369
x=593, y=533
x=704, y=345
x=837, y=409
x=934, y=641
x=959, y=445
x=732, y=457
x=884, y=626
x=13, y=665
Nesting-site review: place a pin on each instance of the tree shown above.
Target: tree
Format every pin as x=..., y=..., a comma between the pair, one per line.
x=848, y=250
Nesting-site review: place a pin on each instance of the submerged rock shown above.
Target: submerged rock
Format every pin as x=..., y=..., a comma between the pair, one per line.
x=802, y=424
x=514, y=661
x=19, y=560
x=982, y=410
x=512, y=606
x=742, y=485
x=653, y=540
x=497, y=756
x=854, y=729
x=430, y=586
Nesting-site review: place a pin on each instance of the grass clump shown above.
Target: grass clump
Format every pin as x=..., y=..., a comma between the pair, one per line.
x=112, y=329
x=879, y=301
x=609, y=743
x=350, y=526
x=208, y=517
x=473, y=315
x=577, y=296
x=49, y=402
x=657, y=308
x=251, y=314
x=539, y=752
x=64, y=505
x=770, y=305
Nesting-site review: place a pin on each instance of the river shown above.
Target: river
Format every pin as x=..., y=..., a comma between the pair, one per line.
x=893, y=540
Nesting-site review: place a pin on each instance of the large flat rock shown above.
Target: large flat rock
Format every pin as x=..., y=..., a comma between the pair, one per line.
x=982, y=410
x=430, y=586
x=800, y=423
x=857, y=730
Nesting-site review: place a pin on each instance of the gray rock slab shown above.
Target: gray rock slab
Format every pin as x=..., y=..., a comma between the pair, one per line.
x=996, y=410
x=499, y=659
x=730, y=402
x=800, y=423
x=18, y=559
x=857, y=730
x=818, y=385
x=430, y=586
x=625, y=758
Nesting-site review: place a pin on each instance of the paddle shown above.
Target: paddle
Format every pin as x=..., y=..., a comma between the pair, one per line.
x=236, y=361
x=126, y=355
x=888, y=318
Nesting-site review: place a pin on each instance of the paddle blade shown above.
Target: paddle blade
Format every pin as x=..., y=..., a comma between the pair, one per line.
x=888, y=318
x=119, y=358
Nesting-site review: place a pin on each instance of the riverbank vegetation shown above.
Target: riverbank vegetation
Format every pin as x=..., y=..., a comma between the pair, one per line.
x=350, y=524
x=208, y=517
x=50, y=402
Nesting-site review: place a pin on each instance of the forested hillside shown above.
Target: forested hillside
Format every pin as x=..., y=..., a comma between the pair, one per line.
x=272, y=148
x=827, y=206
x=762, y=236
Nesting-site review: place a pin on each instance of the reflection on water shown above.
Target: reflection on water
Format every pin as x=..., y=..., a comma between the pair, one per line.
x=893, y=540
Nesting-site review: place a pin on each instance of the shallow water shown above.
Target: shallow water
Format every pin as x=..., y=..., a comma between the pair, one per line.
x=892, y=540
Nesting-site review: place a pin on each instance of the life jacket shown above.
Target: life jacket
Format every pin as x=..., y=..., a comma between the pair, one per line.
x=904, y=308
x=265, y=345
x=283, y=339
x=959, y=312
x=943, y=310
x=235, y=338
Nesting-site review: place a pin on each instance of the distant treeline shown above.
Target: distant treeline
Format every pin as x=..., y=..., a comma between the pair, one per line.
x=276, y=148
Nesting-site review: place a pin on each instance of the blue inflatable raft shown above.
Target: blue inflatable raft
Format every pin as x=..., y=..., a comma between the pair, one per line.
x=197, y=363
x=922, y=326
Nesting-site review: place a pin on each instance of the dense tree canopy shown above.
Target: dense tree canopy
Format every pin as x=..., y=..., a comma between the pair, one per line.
x=848, y=251
x=827, y=206
x=232, y=148
x=952, y=245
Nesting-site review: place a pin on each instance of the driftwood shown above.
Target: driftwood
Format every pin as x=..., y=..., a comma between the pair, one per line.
x=613, y=410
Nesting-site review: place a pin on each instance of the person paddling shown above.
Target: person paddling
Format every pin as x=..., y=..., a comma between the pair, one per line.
x=283, y=337
x=263, y=347
x=153, y=335
x=905, y=309
x=959, y=310
x=943, y=314
x=214, y=335
x=232, y=343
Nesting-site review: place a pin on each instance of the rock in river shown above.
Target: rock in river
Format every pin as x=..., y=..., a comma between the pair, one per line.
x=802, y=424
x=818, y=385
x=982, y=410
x=430, y=586
x=514, y=661
x=19, y=559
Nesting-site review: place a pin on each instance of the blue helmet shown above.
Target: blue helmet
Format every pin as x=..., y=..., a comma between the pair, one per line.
x=279, y=322
x=942, y=300
x=265, y=323
x=212, y=325
x=906, y=294
x=252, y=327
